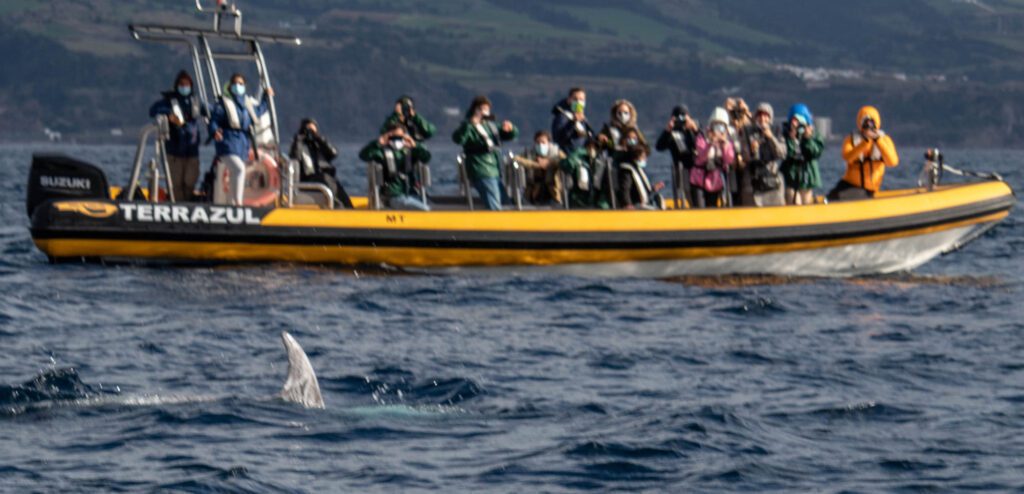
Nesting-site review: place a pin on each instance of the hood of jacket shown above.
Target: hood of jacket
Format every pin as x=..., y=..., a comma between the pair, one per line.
x=632, y=114
x=719, y=115
x=869, y=112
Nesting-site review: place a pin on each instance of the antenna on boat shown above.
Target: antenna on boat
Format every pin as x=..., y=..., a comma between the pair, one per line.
x=222, y=8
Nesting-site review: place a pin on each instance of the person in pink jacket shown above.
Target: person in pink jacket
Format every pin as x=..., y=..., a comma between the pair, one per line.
x=715, y=155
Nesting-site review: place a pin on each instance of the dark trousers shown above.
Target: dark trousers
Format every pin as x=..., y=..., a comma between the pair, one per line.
x=845, y=191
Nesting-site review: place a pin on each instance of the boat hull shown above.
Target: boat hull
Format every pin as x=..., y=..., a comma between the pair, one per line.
x=894, y=233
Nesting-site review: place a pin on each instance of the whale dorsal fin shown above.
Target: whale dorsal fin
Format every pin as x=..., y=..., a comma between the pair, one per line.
x=301, y=386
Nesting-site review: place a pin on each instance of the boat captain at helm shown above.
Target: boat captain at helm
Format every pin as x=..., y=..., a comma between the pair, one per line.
x=868, y=152
x=183, y=111
x=231, y=126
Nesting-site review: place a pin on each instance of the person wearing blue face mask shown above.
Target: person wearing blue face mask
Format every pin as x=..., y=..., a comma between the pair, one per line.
x=183, y=111
x=236, y=119
x=543, y=184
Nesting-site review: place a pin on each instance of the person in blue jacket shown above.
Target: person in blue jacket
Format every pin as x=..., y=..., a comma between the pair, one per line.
x=569, y=126
x=231, y=126
x=183, y=111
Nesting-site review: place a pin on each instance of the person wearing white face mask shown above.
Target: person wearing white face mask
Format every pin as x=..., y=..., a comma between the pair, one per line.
x=481, y=139
x=183, y=111
x=543, y=184
x=232, y=127
x=635, y=189
x=611, y=137
x=398, y=153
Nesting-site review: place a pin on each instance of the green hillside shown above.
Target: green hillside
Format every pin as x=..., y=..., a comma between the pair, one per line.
x=943, y=71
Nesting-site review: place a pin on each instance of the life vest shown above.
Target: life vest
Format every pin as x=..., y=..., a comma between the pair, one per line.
x=177, y=111
x=616, y=135
x=680, y=141
x=261, y=130
x=489, y=131
x=640, y=182
x=865, y=164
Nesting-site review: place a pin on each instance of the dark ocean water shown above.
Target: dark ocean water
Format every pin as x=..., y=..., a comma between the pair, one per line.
x=143, y=378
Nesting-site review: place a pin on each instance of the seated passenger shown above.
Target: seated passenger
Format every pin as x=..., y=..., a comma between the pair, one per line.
x=635, y=189
x=579, y=168
x=315, y=154
x=715, y=155
x=803, y=150
x=231, y=124
x=680, y=138
x=183, y=111
x=481, y=140
x=763, y=153
x=398, y=153
x=569, y=127
x=867, y=152
x=415, y=125
x=543, y=184
x=623, y=118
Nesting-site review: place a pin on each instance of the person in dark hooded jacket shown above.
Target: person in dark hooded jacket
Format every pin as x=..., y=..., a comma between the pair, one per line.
x=680, y=138
x=315, y=153
x=184, y=112
x=569, y=127
x=417, y=127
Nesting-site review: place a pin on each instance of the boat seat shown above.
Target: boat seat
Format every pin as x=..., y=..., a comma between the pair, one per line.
x=313, y=193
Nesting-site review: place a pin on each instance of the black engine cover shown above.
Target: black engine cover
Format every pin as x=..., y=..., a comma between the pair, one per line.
x=55, y=176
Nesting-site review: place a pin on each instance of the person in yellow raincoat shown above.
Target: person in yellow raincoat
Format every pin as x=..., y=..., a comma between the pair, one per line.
x=867, y=152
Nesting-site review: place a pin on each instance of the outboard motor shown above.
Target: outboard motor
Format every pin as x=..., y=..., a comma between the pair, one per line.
x=55, y=176
x=931, y=173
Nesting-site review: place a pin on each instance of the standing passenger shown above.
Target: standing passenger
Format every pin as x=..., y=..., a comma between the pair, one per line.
x=612, y=136
x=715, y=155
x=635, y=189
x=763, y=153
x=481, y=140
x=569, y=127
x=740, y=192
x=868, y=152
x=232, y=128
x=803, y=150
x=183, y=111
x=680, y=138
x=417, y=127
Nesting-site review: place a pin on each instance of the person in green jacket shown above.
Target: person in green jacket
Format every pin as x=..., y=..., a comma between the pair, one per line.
x=481, y=140
x=803, y=150
x=417, y=127
x=579, y=168
x=398, y=153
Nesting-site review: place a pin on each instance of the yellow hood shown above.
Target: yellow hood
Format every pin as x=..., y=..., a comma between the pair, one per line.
x=869, y=112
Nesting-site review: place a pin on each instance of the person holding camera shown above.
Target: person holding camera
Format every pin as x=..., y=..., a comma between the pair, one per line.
x=803, y=150
x=405, y=115
x=398, y=153
x=715, y=156
x=569, y=127
x=481, y=139
x=315, y=154
x=867, y=152
x=738, y=177
x=763, y=152
x=680, y=139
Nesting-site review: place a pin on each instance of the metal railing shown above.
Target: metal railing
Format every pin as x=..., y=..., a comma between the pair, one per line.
x=159, y=161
